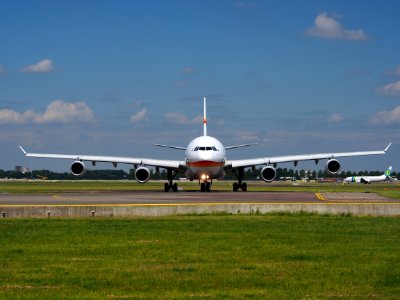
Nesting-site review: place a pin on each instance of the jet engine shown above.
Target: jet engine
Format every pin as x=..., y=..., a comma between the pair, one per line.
x=142, y=174
x=268, y=173
x=78, y=168
x=333, y=166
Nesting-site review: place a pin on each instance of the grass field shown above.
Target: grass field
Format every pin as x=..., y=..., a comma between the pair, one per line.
x=390, y=190
x=195, y=257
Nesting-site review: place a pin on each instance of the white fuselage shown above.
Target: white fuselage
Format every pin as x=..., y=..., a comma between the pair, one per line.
x=205, y=159
x=365, y=179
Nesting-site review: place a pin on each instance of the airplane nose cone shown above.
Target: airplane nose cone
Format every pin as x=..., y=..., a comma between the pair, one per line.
x=206, y=155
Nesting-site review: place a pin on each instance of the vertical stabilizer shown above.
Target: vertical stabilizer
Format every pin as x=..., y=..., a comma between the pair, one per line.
x=205, y=118
x=388, y=171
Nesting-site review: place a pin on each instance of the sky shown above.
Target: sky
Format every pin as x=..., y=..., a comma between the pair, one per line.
x=117, y=77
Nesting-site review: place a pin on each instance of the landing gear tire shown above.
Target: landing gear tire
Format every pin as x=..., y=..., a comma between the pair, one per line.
x=208, y=187
x=242, y=186
x=169, y=185
x=239, y=174
x=202, y=187
x=172, y=187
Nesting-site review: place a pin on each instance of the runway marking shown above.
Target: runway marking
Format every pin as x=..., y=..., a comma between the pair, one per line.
x=65, y=198
x=320, y=197
x=197, y=204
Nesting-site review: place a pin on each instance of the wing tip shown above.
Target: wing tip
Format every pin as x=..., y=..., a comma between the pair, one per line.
x=388, y=146
x=22, y=149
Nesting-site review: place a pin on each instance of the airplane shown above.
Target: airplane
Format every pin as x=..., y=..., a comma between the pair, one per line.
x=205, y=160
x=368, y=179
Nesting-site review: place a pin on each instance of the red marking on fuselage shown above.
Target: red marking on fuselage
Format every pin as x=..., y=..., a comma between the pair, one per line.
x=205, y=121
x=205, y=163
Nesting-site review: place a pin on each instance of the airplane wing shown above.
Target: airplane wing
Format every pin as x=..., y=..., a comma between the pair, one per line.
x=364, y=180
x=167, y=164
x=243, y=163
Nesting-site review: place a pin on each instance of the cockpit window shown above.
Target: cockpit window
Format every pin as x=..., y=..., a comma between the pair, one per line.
x=205, y=148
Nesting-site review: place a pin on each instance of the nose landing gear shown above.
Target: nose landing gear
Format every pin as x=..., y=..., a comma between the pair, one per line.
x=205, y=187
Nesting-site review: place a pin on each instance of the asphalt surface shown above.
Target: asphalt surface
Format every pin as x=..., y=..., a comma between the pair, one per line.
x=161, y=198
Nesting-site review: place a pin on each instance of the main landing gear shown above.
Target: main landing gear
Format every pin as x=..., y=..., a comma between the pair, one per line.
x=239, y=174
x=170, y=185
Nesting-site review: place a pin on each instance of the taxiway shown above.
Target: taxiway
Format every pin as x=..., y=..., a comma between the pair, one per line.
x=148, y=197
x=123, y=204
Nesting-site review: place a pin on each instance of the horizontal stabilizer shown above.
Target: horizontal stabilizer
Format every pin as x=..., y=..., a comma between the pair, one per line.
x=239, y=146
x=172, y=147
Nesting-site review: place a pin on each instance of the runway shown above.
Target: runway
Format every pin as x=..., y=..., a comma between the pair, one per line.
x=150, y=203
x=148, y=197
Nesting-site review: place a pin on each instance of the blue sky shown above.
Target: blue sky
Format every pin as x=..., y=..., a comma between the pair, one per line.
x=116, y=77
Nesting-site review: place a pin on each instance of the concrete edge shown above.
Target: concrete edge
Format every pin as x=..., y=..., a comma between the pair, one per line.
x=82, y=211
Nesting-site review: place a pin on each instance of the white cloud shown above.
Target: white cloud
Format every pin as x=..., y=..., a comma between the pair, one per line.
x=56, y=112
x=397, y=71
x=328, y=28
x=393, y=72
x=391, y=89
x=189, y=70
x=43, y=66
x=2, y=69
x=386, y=117
x=141, y=115
x=182, y=84
x=180, y=119
x=243, y=135
x=136, y=103
x=335, y=118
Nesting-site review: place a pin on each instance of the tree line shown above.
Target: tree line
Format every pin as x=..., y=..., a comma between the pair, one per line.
x=250, y=174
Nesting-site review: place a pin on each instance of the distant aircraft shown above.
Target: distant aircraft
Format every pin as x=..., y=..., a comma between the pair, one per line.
x=368, y=179
x=205, y=160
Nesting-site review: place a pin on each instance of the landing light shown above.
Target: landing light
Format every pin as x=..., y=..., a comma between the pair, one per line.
x=204, y=176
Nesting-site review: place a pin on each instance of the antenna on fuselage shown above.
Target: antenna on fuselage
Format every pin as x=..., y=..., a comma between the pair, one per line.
x=205, y=118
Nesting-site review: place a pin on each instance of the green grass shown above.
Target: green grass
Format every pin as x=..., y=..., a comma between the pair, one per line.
x=216, y=257
x=390, y=190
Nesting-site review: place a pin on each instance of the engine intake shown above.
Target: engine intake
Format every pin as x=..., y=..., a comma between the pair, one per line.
x=78, y=168
x=142, y=174
x=268, y=173
x=333, y=166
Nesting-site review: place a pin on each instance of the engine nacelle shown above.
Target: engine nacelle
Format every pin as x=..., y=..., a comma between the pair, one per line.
x=333, y=166
x=78, y=168
x=142, y=174
x=268, y=173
